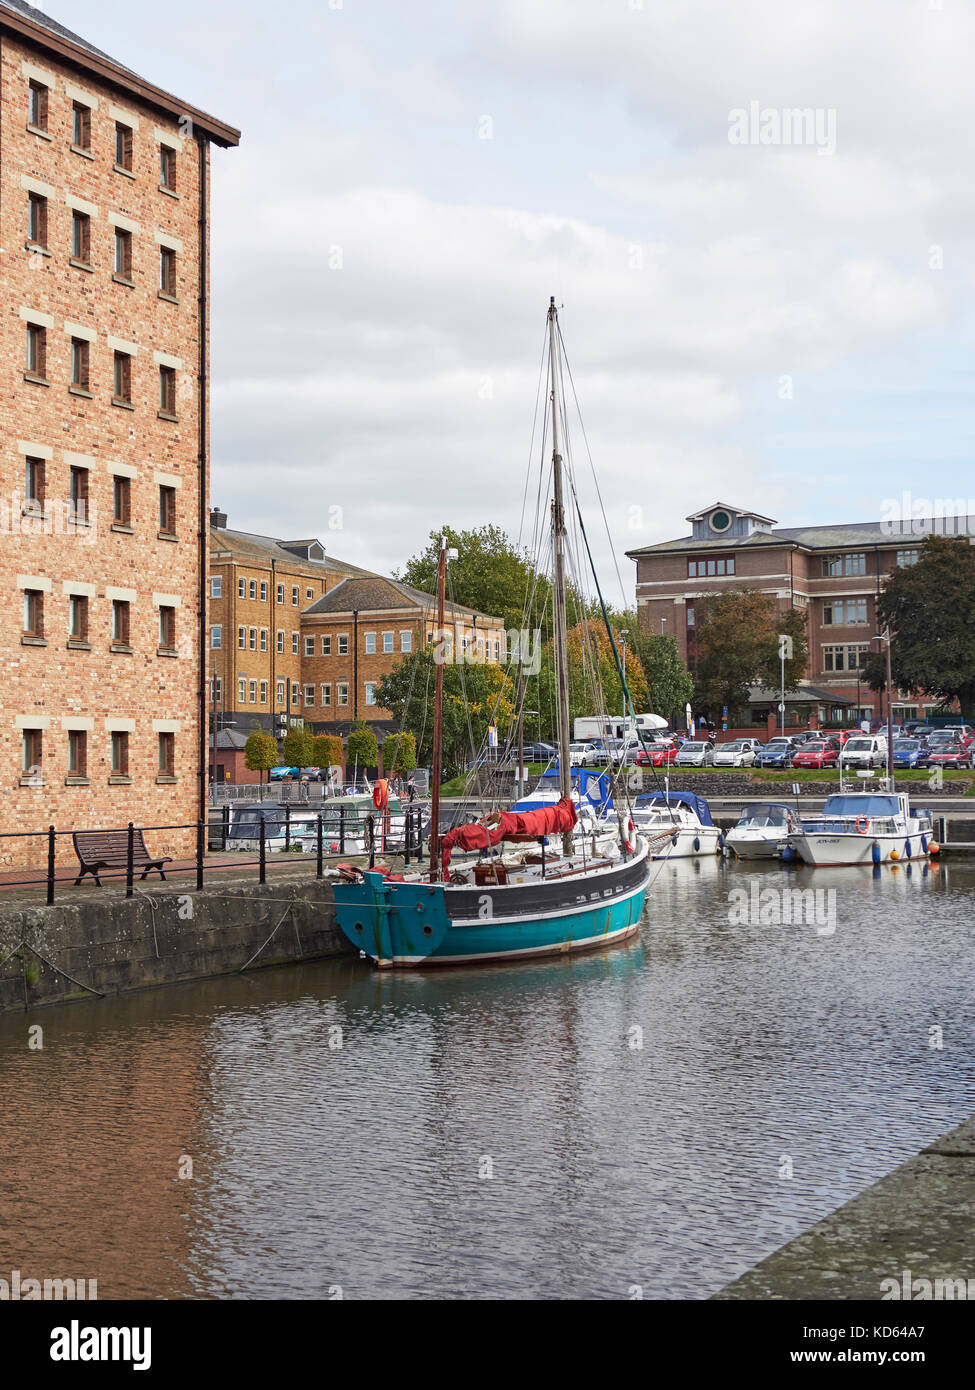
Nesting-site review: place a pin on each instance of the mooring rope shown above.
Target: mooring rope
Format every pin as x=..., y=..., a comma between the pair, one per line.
x=284, y=914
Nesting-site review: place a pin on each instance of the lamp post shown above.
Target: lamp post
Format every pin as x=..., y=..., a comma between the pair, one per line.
x=885, y=637
x=624, y=633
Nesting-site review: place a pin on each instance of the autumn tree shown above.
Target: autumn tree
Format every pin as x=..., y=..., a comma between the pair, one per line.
x=260, y=752
x=668, y=681
x=362, y=747
x=737, y=643
x=326, y=751
x=297, y=748
x=399, y=753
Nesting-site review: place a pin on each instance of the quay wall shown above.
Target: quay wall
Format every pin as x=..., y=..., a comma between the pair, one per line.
x=112, y=944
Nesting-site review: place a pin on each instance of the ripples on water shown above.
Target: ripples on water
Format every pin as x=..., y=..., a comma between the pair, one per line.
x=317, y=1166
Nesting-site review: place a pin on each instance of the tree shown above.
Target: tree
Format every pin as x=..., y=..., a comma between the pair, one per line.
x=668, y=681
x=326, y=751
x=260, y=752
x=399, y=753
x=489, y=573
x=297, y=748
x=737, y=647
x=475, y=695
x=930, y=609
x=362, y=749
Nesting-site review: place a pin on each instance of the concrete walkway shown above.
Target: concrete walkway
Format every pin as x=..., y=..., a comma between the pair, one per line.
x=915, y=1225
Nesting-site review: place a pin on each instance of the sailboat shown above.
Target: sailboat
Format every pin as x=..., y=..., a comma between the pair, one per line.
x=545, y=900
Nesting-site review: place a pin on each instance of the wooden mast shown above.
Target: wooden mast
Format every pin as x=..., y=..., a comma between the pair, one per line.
x=439, y=655
x=558, y=546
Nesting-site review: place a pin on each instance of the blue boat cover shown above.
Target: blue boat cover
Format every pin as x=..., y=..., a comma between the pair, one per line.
x=594, y=787
x=691, y=799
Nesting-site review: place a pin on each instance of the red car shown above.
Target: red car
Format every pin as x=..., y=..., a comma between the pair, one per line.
x=660, y=755
x=815, y=755
x=950, y=755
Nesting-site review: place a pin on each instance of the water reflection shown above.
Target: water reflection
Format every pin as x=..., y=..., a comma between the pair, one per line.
x=557, y=1129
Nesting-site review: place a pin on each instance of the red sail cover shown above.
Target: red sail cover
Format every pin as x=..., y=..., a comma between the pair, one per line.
x=532, y=824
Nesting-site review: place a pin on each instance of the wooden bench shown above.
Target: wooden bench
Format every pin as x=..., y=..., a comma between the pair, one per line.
x=109, y=849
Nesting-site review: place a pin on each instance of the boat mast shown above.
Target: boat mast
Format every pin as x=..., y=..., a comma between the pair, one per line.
x=439, y=655
x=558, y=547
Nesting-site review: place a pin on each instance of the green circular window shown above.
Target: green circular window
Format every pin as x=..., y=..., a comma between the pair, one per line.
x=720, y=521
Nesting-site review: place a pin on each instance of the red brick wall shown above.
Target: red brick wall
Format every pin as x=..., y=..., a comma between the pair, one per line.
x=52, y=682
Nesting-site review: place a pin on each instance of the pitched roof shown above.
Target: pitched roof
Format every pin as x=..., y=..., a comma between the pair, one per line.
x=833, y=537
x=248, y=543
x=803, y=694
x=375, y=592
x=38, y=27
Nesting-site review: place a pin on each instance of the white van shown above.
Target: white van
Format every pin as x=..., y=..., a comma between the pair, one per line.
x=864, y=750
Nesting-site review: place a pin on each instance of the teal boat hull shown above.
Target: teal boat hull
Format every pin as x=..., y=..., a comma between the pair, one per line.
x=405, y=925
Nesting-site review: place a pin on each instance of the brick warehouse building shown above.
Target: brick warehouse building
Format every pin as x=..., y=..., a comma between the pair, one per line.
x=833, y=573
x=104, y=225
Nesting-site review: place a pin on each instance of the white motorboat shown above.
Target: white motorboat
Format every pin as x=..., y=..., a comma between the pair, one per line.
x=762, y=831
x=678, y=825
x=863, y=828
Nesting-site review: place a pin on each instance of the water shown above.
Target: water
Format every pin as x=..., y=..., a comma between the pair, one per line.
x=363, y=1167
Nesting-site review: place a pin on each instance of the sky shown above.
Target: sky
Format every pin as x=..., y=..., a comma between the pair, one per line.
x=771, y=314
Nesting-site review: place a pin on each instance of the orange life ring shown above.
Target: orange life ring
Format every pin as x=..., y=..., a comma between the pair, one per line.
x=380, y=794
x=863, y=825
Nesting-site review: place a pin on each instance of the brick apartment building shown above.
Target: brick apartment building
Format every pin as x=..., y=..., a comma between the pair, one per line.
x=296, y=632
x=104, y=225
x=833, y=573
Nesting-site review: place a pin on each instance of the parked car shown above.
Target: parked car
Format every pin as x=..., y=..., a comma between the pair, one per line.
x=777, y=752
x=537, y=752
x=695, y=755
x=951, y=733
x=865, y=750
x=911, y=752
x=658, y=754
x=950, y=754
x=279, y=774
x=580, y=754
x=740, y=752
x=815, y=754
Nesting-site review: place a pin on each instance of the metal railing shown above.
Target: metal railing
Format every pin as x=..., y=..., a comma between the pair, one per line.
x=47, y=875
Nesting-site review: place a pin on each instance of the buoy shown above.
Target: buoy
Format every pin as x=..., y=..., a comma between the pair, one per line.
x=934, y=847
x=907, y=849
x=788, y=854
x=894, y=854
x=875, y=853
x=697, y=843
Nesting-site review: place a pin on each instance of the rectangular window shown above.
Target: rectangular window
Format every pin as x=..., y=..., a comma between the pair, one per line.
x=167, y=510
x=326, y=694
x=37, y=220
x=252, y=639
x=218, y=690
x=280, y=699
x=79, y=364
x=242, y=639
x=36, y=351
x=836, y=565
x=37, y=106
x=34, y=484
x=252, y=689
x=342, y=693
x=241, y=588
x=241, y=690
x=388, y=641
x=263, y=639
x=122, y=255
x=295, y=693
x=309, y=646
x=78, y=494
x=78, y=618
x=81, y=127
x=120, y=754
x=123, y=146
x=326, y=646
x=833, y=658
x=370, y=643
x=121, y=500
x=167, y=755
x=406, y=643
x=281, y=640
x=252, y=589
x=264, y=591
x=216, y=637
x=280, y=593
x=691, y=620
x=167, y=271
x=294, y=644
x=343, y=648
x=30, y=752
x=120, y=622
x=77, y=753
x=263, y=699
x=122, y=378
x=906, y=558
x=167, y=627
x=309, y=594
x=309, y=696
x=856, y=658
x=167, y=392
x=33, y=613
x=167, y=168
x=294, y=595
x=370, y=693
x=216, y=586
